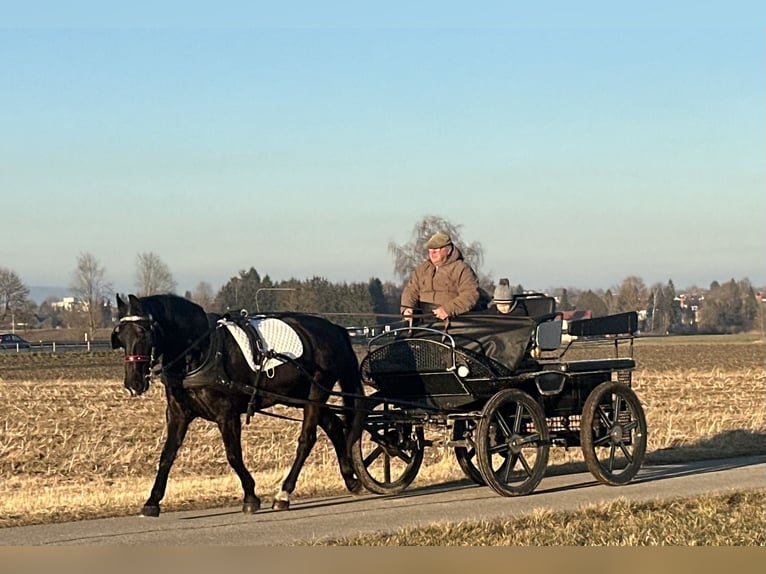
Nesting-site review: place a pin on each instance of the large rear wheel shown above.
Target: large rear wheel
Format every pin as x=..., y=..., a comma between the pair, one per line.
x=512, y=443
x=388, y=454
x=613, y=433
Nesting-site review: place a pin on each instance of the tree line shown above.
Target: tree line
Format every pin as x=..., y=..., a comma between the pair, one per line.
x=730, y=307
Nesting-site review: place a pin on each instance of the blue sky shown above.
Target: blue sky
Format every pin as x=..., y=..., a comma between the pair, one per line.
x=578, y=146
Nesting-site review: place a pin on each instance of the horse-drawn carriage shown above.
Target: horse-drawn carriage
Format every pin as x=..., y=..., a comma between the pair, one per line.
x=504, y=389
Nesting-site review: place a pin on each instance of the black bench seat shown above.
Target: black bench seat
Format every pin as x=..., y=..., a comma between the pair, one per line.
x=596, y=365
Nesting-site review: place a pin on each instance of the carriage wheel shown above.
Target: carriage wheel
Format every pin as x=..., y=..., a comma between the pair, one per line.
x=466, y=456
x=613, y=433
x=512, y=443
x=389, y=452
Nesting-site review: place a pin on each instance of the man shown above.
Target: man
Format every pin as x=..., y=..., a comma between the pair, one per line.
x=444, y=280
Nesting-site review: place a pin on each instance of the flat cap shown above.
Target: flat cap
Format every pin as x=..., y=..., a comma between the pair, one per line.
x=438, y=240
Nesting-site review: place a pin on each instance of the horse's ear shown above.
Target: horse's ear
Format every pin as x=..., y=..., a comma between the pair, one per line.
x=122, y=306
x=135, y=304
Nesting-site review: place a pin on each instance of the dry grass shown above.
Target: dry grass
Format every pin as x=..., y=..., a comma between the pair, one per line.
x=74, y=445
x=734, y=519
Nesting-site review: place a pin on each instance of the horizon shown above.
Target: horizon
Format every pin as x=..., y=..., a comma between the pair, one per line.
x=39, y=293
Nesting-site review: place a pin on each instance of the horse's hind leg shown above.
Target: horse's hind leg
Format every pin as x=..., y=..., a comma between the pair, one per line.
x=306, y=442
x=333, y=427
x=177, y=425
x=231, y=432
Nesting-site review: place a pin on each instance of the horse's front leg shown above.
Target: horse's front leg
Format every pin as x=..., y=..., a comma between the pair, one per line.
x=231, y=432
x=177, y=425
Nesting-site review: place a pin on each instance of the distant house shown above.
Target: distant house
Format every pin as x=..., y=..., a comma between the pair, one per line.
x=66, y=304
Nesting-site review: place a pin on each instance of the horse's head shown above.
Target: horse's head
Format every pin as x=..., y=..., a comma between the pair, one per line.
x=137, y=333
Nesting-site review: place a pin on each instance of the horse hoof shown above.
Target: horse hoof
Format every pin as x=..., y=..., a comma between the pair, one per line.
x=150, y=511
x=251, y=507
x=281, y=505
x=355, y=487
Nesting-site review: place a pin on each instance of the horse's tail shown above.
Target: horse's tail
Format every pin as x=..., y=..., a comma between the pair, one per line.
x=349, y=375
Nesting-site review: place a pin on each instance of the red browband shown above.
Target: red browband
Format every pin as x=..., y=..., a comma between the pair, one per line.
x=137, y=358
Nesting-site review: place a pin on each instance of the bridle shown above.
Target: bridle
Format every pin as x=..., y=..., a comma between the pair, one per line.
x=136, y=359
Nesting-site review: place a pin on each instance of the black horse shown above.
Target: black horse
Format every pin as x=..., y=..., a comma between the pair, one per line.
x=206, y=375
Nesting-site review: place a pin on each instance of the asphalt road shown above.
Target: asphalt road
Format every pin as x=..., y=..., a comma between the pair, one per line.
x=340, y=516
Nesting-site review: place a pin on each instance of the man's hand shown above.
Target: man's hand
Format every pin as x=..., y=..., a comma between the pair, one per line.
x=440, y=313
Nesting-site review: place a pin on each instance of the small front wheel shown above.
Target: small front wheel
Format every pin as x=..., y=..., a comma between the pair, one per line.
x=389, y=452
x=613, y=433
x=512, y=443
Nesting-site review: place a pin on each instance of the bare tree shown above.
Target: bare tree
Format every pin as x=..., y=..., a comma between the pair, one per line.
x=632, y=295
x=153, y=275
x=91, y=288
x=13, y=294
x=203, y=295
x=407, y=256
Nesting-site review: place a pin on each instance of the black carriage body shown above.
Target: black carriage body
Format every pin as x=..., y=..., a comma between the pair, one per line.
x=454, y=372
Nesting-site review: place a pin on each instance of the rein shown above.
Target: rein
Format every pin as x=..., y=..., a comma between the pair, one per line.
x=182, y=355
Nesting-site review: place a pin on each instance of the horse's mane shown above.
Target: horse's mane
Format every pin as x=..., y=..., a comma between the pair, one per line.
x=181, y=323
x=171, y=302
x=167, y=307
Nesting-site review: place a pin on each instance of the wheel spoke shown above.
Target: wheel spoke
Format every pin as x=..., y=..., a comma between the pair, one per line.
x=617, y=405
x=612, y=450
x=509, y=465
x=533, y=438
x=604, y=418
x=603, y=441
x=631, y=425
x=404, y=456
x=525, y=464
x=503, y=424
x=627, y=452
x=517, y=420
x=499, y=448
x=373, y=456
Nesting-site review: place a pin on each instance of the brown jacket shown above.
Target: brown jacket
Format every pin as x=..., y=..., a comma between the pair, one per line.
x=453, y=286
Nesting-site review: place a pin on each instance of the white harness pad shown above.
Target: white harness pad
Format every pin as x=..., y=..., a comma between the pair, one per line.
x=275, y=335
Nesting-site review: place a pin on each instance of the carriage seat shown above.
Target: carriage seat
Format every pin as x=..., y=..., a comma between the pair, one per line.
x=547, y=335
x=532, y=305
